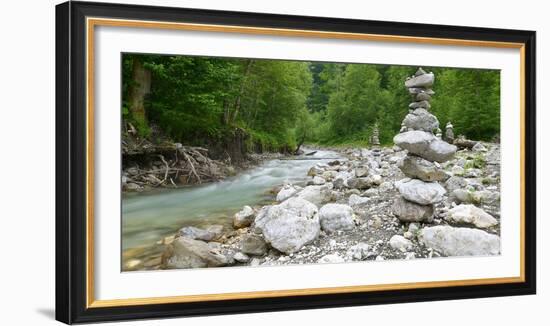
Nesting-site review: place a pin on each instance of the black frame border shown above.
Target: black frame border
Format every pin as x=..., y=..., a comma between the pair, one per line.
x=71, y=162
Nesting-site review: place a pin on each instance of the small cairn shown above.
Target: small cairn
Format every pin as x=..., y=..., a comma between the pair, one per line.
x=375, y=138
x=420, y=190
x=449, y=133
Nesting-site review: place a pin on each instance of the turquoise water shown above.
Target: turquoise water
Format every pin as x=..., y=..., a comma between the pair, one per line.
x=147, y=218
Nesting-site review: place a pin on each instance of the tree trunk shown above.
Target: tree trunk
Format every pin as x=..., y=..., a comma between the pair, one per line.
x=141, y=86
x=241, y=90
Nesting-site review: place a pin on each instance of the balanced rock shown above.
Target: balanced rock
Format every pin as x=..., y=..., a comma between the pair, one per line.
x=289, y=225
x=419, y=90
x=424, y=80
x=420, y=119
x=422, y=96
x=243, y=218
x=189, y=253
x=407, y=211
x=417, y=167
x=470, y=214
x=420, y=104
x=426, y=145
x=453, y=241
x=420, y=192
x=336, y=217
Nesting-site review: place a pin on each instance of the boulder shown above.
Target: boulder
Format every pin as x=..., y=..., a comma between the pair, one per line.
x=407, y=211
x=286, y=192
x=424, y=81
x=317, y=195
x=289, y=225
x=243, y=218
x=253, y=245
x=420, y=192
x=399, y=242
x=470, y=214
x=336, y=217
x=420, y=119
x=458, y=241
x=355, y=200
x=185, y=252
x=426, y=145
x=417, y=167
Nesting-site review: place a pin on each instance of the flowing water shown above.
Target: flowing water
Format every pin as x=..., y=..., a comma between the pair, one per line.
x=147, y=218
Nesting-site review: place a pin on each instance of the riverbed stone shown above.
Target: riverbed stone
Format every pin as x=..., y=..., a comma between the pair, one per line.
x=356, y=200
x=243, y=218
x=460, y=241
x=241, y=257
x=470, y=214
x=253, y=245
x=420, y=192
x=317, y=195
x=421, y=119
x=289, y=225
x=400, y=243
x=362, y=171
x=331, y=259
x=455, y=182
x=317, y=180
x=417, y=167
x=189, y=253
x=359, y=251
x=286, y=192
x=195, y=233
x=407, y=211
x=336, y=217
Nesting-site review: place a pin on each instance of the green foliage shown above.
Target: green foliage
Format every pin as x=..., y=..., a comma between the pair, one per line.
x=279, y=104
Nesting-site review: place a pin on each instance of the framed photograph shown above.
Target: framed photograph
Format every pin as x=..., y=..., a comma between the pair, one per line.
x=212, y=162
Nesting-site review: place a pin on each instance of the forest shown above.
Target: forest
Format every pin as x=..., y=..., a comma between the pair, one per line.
x=275, y=105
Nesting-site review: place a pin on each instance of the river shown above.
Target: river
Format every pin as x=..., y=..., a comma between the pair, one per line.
x=148, y=217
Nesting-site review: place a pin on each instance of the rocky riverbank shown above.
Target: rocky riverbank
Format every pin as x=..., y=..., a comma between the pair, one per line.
x=346, y=212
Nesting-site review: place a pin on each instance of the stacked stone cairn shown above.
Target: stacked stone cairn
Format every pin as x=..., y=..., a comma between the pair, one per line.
x=375, y=138
x=449, y=133
x=420, y=191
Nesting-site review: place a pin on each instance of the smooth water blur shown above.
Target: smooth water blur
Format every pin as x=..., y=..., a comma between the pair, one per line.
x=147, y=218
